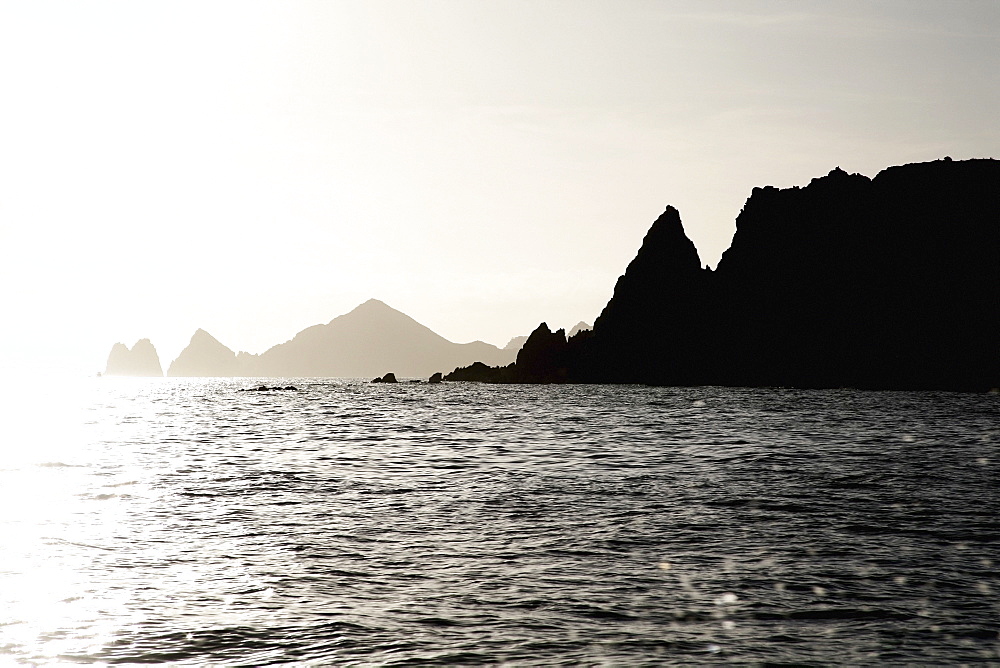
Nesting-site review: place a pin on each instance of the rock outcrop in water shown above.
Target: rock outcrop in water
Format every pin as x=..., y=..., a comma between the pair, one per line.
x=141, y=360
x=359, y=344
x=545, y=357
x=884, y=283
x=265, y=388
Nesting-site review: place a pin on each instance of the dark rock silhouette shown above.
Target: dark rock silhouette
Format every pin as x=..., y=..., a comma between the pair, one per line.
x=387, y=378
x=265, y=388
x=359, y=344
x=884, y=283
x=141, y=360
x=652, y=328
x=436, y=378
x=515, y=344
x=543, y=358
x=483, y=373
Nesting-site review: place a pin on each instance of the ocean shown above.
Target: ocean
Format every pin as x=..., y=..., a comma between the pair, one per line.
x=345, y=523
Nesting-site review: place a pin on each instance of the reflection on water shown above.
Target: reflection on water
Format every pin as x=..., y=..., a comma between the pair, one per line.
x=183, y=521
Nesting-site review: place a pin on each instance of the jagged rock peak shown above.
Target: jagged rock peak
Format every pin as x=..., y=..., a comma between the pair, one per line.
x=542, y=357
x=539, y=340
x=666, y=263
x=141, y=360
x=666, y=247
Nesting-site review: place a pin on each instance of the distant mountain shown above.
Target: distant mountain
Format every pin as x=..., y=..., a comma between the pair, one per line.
x=370, y=341
x=577, y=328
x=205, y=356
x=891, y=282
x=515, y=343
x=141, y=360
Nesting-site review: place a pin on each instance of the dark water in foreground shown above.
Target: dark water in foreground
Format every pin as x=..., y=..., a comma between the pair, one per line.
x=348, y=523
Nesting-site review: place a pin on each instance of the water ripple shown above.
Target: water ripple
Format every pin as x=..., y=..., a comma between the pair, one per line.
x=195, y=524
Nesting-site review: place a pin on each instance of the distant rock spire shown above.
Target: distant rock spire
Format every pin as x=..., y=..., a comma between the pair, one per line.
x=141, y=360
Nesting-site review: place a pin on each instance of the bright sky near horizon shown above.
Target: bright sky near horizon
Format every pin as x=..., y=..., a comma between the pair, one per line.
x=253, y=168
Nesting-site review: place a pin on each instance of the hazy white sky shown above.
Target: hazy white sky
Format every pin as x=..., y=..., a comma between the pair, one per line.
x=253, y=168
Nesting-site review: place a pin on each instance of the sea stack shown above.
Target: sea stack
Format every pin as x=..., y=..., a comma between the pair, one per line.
x=141, y=360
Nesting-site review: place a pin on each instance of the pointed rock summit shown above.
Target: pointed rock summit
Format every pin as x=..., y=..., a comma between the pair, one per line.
x=204, y=356
x=141, y=360
x=656, y=312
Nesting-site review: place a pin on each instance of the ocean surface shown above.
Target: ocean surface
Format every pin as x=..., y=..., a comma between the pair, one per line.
x=344, y=523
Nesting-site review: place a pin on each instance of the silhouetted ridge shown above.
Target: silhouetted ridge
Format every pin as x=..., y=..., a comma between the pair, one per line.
x=204, y=356
x=359, y=344
x=141, y=360
x=366, y=341
x=884, y=283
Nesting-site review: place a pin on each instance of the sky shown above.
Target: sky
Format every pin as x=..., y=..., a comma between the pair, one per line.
x=254, y=168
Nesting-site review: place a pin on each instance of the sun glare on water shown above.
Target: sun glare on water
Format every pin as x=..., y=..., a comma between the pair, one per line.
x=52, y=542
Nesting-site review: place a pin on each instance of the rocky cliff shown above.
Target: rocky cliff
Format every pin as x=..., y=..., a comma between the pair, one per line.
x=141, y=360
x=884, y=283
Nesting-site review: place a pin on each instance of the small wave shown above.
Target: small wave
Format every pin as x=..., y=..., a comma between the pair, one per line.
x=523, y=526
x=70, y=542
x=835, y=614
